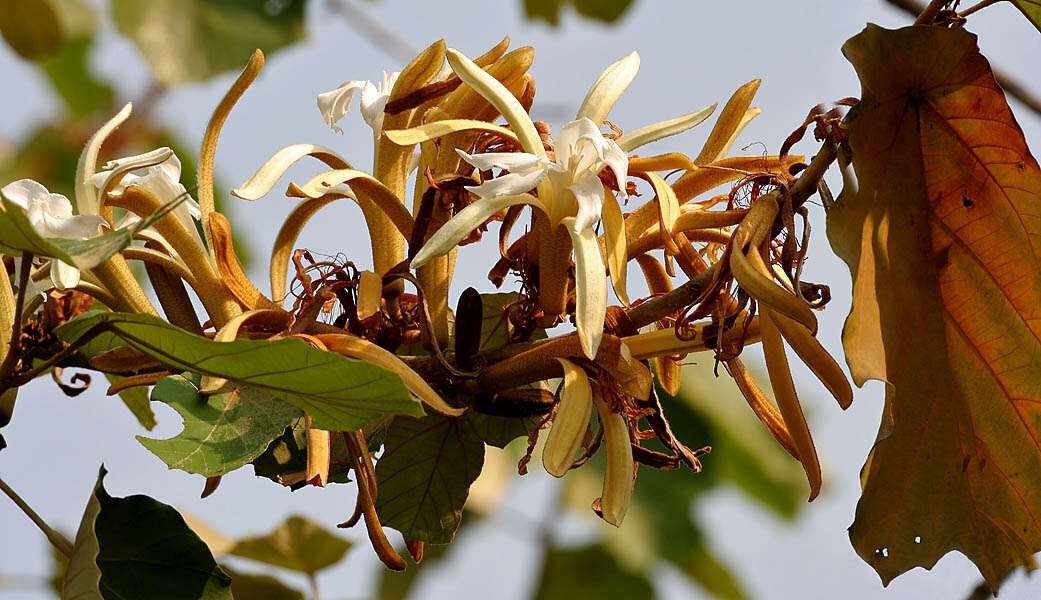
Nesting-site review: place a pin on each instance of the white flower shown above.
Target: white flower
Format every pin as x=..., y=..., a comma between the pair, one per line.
x=51, y=216
x=159, y=172
x=334, y=104
x=581, y=153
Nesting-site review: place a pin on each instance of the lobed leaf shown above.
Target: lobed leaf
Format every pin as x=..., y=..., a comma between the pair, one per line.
x=297, y=544
x=222, y=431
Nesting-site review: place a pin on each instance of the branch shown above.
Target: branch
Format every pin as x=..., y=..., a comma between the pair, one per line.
x=56, y=539
x=1009, y=83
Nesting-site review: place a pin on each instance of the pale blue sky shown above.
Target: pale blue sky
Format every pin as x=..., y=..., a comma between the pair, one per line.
x=694, y=53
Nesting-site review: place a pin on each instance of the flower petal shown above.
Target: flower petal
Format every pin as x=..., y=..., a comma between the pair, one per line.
x=508, y=185
x=63, y=275
x=571, y=421
x=465, y=221
x=78, y=227
x=23, y=191
x=617, y=250
x=334, y=104
x=590, y=288
x=656, y=131
x=615, y=158
x=729, y=123
x=589, y=193
x=608, y=88
x=86, y=196
x=496, y=93
x=567, y=142
x=430, y=131
x=520, y=163
x=261, y=182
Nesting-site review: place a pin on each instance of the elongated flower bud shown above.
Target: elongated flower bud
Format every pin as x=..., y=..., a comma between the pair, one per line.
x=618, y=476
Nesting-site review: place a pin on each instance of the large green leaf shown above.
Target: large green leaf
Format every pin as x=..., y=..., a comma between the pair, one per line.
x=222, y=431
x=191, y=40
x=338, y=393
x=136, y=547
x=499, y=431
x=297, y=544
x=1031, y=9
x=589, y=572
x=31, y=29
x=424, y=475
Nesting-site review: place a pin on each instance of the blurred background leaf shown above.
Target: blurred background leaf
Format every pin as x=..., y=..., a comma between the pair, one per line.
x=192, y=40
x=607, y=11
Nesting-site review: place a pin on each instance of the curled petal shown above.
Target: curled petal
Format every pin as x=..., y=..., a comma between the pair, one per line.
x=22, y=192
x=589, y=193
x=465, y=221
x=63, y=275
x=656, y=131
x=86, y=195
x=617, y=248
x=608, y=88
x=570, y=422
x=729, y=124
x=514, y=162
x=334, y=104
x=430, y=131
x=590, y=288
x=508, y=185
x=374, y=99
x=261, y=182
x=568, y=142
x=496, y=93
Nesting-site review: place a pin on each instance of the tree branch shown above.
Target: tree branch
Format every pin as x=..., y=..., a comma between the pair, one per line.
x=56, y=539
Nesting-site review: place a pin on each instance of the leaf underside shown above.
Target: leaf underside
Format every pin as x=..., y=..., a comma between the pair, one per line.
x=943, y=241
x=424, y=475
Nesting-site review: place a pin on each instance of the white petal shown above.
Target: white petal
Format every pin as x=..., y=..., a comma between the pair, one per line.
x=508, y=184
x=79, y=227
x=656, y=131
x=21, y=192
x=334, y=104
x=566, y=144
x=616, y=159
x=608, y=88
x=64, y=276
x=464, y=222
x=514, y=162
x=590, y=288
x=589, y=193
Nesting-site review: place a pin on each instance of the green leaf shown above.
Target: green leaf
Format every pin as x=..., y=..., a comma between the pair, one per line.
x=71, y=77
x=499, y=431
x=249, y=586
x=137, y=547
x=589, y=572
x=424, y=476
x=297, y=544
x=339, y=393
x=222, y=431
x=212, y=36
x=496, y=329
x=1031, y=10
x=31, y=29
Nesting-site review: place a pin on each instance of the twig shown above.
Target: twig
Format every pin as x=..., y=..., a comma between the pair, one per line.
x=11, y=360
x=1007, y=82
x=978, y=6
x=56, y=539
x=314, y=586
x=377, y=34
x=928, y=14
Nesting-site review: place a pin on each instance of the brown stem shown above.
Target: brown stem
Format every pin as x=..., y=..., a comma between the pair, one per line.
x=978, y=6
x=380, y=543
x=929, y=14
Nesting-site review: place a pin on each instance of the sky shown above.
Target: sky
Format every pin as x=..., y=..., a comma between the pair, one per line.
x=693, y=54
